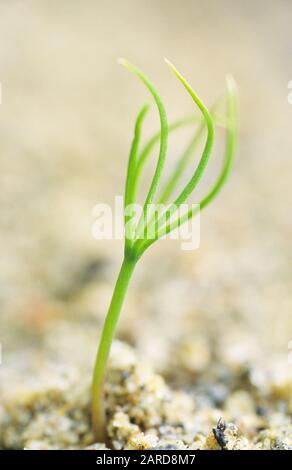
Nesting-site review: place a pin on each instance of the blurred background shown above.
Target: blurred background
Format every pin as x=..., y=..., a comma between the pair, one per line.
x=66, y=123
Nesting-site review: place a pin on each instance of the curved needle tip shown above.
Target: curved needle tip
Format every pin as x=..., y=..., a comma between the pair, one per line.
x=174, y=69
x=231, y=83
x=122, y=61
x=170, y=64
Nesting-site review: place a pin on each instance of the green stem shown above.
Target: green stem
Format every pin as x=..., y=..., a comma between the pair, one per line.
x=108, y=332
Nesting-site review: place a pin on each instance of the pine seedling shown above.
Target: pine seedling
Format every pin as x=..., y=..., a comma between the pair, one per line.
x=136, y=239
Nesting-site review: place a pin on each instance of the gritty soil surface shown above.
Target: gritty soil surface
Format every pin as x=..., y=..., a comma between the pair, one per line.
x=144, y=413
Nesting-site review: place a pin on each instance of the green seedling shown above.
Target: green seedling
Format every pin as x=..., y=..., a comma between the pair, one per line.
x=135, y=240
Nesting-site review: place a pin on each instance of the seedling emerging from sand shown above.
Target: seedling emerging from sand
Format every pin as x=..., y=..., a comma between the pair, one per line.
x=136, y=242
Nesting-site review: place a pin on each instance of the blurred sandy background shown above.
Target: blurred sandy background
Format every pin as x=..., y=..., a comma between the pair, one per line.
x=66, y=124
